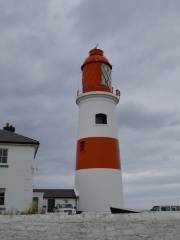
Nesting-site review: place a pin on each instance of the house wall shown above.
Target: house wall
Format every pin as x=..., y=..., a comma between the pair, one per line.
x=61, y=201
x=44, y=202
x=17, y=177
x=65, y=200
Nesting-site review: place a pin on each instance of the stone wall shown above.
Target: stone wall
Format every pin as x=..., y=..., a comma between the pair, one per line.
x=91, y=226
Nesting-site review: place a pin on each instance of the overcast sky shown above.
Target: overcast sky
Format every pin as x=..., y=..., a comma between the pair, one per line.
x=42, y=46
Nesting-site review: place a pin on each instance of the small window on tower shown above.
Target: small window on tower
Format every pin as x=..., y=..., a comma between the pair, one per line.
x=101, y=118
x=82, y=145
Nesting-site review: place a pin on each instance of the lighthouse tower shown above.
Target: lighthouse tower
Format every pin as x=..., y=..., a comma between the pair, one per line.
x=98, y=180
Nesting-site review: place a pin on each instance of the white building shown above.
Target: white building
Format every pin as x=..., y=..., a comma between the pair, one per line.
x=17, y=155
x=51, y=199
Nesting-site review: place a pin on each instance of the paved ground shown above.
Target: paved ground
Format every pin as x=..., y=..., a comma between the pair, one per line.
x=141, y=226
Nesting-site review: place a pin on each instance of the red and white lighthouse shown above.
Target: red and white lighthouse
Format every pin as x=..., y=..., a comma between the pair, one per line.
x=98, y=180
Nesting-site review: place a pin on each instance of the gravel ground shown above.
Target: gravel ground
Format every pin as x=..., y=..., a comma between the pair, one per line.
x=89, y=226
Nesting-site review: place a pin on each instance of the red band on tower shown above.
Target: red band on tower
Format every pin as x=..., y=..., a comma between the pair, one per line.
x=98, y=152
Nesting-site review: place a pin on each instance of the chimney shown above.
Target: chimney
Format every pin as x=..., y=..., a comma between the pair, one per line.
x=9, y=127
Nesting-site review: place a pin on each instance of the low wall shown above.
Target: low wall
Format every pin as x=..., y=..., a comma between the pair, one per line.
x=91, y=226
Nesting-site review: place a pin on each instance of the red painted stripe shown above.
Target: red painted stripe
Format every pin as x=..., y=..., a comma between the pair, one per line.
x=97, y=152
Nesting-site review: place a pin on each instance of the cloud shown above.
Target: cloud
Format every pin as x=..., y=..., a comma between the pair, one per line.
x=139, y=117
x=98, y=20
x=58, y=181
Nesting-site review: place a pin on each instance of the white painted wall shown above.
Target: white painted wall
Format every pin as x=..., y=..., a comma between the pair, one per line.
x=60, y=201
x=89, y=105
x=63, y=200
x=17, y=178
x=99, y=189
x=57, y=201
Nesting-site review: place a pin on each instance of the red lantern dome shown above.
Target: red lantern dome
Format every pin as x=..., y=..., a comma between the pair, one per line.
x=96, y=71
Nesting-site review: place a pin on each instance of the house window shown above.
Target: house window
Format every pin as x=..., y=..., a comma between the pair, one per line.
x=101, y=118
x=2, y=196
x=3, y=155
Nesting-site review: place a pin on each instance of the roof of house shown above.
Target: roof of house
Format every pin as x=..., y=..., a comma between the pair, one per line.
x=12, y=137
x=57, y=193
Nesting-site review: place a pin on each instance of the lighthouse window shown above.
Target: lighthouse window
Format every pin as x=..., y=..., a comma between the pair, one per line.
x=82, y=145
x=106, y=75
x=101, y=118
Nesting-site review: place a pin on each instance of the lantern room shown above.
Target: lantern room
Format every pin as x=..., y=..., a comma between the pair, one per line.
x=96, y=72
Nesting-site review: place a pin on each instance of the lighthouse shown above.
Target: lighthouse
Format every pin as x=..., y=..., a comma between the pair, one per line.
x=98, y=180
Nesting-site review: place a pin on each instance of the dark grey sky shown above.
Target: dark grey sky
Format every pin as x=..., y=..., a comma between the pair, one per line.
x=43, y=44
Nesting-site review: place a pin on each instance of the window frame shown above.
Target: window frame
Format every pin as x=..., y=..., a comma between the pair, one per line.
x=3, y=156
x=106, y=75
x=102, y=118
x=2, y=191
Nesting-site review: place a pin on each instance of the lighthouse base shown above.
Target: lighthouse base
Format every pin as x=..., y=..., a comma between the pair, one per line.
x=99, y=189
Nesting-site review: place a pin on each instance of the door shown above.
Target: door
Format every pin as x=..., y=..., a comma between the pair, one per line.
x=35, y=203
x=51, y=204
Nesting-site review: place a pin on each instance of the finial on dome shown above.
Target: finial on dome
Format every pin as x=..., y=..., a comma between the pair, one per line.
x=96, y=46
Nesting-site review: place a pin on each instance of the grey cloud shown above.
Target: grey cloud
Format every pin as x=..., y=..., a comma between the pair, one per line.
x=172, y=133
x=102, y=19
x=13, y=13
x=154, y=178
x=152, y=189
x=139, y=117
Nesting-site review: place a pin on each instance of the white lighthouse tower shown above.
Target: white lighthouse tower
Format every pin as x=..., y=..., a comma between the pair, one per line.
x=98, y=180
